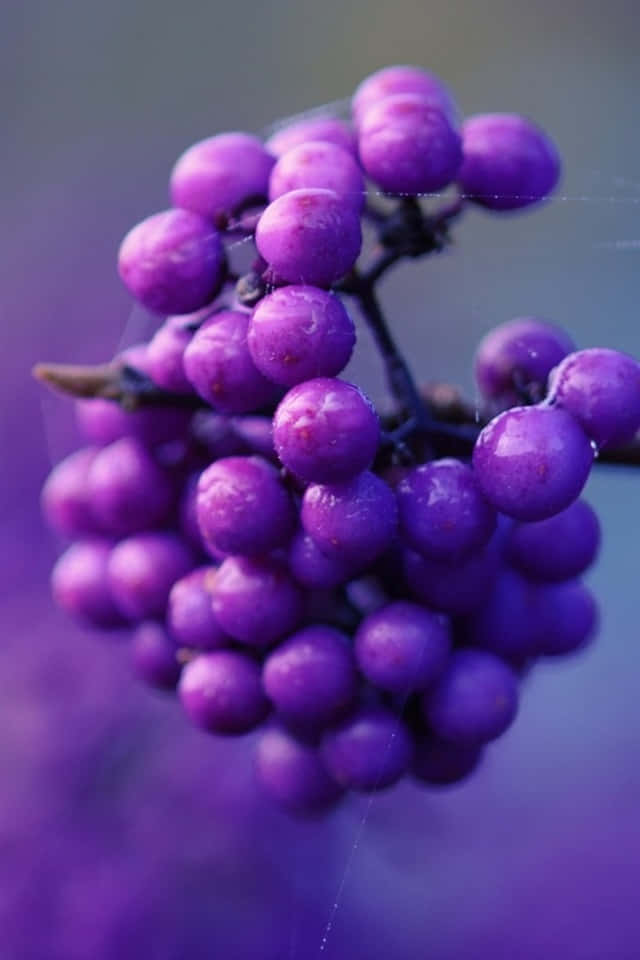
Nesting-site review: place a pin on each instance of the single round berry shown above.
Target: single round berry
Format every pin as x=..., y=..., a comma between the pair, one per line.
x=80, y=585
x=401, y=79
x=128, y=490
x=369, y=751
x=217, y=175
x=402, y=647
x=508, y=163
x=458, y=587
x=165, y=352
x=218, y=364
x=65, y=499
x=319, y=164
x=326, y=430
x=518, y=357
x=293, y=774
x=474, y=701
x=442, y=511
x=311, y=677
x=508, y=621
x=142, y=570
x=153, y=653
x=172, y=262
x=255, y=601
x=441, y=764
x=532, y=462
x=103, y=421
x=243, y=507
x=356, y=521
x=559, y=548
x=309, y=236
x=190, y=616
x=324, y=127
x=408, y=146
x=311, y=567
x=568, y=618
x=297, y=333
x=601, y=389
x=221, y=692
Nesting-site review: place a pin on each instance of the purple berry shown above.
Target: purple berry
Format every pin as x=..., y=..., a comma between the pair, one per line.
x=532, y=462
x=326, y=430
x=190, y=616
x=508, y=622
x=293, y=774
x=408, y=146
x=601, y=389
x=474, y=701
x=356, y=521
x=80, y=585
x=311, y=677
x=217, y=175
x=311, y=567
x=319, y=164
x=325, y=127
x=142, y=570
x=65, y=499
x=255, y=601
x=218, y=364
x=172, y=262
x=402, y=647
x=243, y=507
x=508, y=163
x=559, y=548
x=568, y=618
x=442, y=764
x=442, y=512
x=128, y=490
x=154, y=656
x=457, y=588
x=391, y=81
x=166, y=351
x=309, y=236
x=517, y=356
x=221, y=692
x=103, y=421
x=370, y=750
x=300, y=332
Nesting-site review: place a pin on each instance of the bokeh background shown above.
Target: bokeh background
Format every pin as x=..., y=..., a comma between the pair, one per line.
x=124, y=833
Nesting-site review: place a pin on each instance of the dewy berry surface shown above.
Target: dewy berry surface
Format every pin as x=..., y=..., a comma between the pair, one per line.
x=367, y=586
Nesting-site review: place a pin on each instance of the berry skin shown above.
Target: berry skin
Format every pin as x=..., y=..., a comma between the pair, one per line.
x=311, y=677
x=326, y=128
x=509, y=163
x=368, y=751
x=532, y=462
x=65, y=499
x=519, y=355
x=442, y=512
x=474, y=701
x=354, y=521
x=319, y=164
x=255, y=601
x=401, y=79
x=408, y=147
x=402, y=647
x=442, y=764
x=190, y=616
x=568, y=618
x=221, y=692
x=166, y=348
x=293, y=774
x=300, y=332
x=80, y=585
x=311, y=567
x=242, y=506
x=457, y=588
x=218, y=364
x=556, y=549
x=141, y=571
x=217, y=175
x=172, y=262
x=309, y=236
x=326, y=431
x=601, y=389
x=508, y=621
x=153, y=654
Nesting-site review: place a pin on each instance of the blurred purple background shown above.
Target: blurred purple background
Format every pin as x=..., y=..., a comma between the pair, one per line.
x=124, y=833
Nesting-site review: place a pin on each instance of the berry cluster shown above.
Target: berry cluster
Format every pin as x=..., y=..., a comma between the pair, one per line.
x=373, y=588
